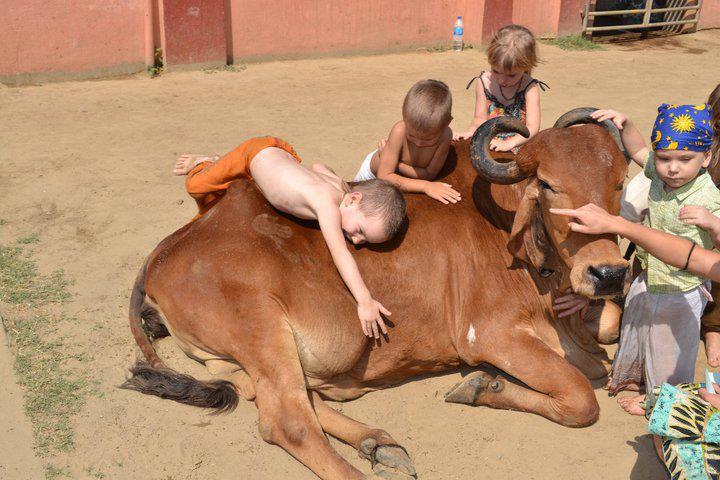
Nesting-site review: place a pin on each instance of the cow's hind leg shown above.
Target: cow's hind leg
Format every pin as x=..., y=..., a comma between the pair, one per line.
x=286, y=417
x=388, y=458
x=558, y=391
x=233, y=373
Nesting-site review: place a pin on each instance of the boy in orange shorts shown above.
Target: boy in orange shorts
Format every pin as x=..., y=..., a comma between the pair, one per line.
x=370, y=211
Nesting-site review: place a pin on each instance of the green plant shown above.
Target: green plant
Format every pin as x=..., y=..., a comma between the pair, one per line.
x=52, y=472
x=158, y=65
x=53, y=391
x=32, y=238
x=573, y=42
x=20, y=282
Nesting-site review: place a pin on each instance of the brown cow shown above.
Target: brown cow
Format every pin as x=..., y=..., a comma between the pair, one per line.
x=254, y=295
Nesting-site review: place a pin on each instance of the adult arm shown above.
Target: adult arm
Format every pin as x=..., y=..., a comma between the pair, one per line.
x=669, y=249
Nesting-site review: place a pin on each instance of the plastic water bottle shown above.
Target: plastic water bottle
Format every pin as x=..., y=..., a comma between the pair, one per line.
x=457, y=44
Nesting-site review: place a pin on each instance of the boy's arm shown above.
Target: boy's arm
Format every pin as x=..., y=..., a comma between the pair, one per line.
x=369, y=309
x=436, y=163
x=703, y=218
x=632, y=140
x=389, y=160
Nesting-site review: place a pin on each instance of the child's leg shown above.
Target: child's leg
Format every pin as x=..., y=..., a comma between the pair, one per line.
x=627, y=368
x=673, y=341
x=187, y=162
x=207, y=182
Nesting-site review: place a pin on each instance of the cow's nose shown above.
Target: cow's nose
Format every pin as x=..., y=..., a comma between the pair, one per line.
x=608, y=280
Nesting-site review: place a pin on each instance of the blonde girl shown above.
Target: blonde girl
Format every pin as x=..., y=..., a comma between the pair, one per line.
x=508, y=88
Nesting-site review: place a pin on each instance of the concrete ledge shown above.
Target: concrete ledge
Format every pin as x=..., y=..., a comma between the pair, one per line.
x=36, y=78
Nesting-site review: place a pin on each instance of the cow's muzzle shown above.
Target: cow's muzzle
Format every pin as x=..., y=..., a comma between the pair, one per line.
x=607, y=280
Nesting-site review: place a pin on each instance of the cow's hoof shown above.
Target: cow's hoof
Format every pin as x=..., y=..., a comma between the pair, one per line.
x=389, y=461
x=472, y=386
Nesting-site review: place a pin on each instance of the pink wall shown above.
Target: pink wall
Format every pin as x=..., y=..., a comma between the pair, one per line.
x=60, y=39
x=710, y=14
x=306, y=27
x=52, y=39
x=193, y=33
x=570, y=19
x=540, y=17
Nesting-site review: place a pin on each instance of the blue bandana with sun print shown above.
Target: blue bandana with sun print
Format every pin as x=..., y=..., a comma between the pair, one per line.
x=683, y=127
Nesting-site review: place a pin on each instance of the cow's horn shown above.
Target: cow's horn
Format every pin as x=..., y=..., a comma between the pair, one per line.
x=488, y=167
x=580, y=116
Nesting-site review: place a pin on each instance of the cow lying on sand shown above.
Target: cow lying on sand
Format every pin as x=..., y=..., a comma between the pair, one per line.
x=254, y=295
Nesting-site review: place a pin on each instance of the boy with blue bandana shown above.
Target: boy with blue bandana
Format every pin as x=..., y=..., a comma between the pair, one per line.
x=661, y=321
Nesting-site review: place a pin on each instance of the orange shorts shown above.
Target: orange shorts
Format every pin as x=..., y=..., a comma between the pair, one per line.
x=208, y=182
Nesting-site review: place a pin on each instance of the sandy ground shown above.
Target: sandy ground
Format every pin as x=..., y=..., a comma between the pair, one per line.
x=86, y=165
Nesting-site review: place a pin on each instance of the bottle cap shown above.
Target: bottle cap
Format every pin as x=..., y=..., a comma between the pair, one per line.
x=459, y=17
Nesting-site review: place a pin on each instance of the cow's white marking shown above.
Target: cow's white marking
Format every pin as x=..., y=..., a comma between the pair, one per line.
x=471, y=335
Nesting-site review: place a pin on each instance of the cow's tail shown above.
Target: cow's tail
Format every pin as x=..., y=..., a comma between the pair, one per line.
x=139, y=309
x=153, y=377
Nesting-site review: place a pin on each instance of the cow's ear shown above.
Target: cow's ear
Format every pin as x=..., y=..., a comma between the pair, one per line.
x=528, y=241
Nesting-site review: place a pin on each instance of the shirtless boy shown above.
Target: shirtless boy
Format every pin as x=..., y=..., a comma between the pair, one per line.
x=418, y=145
x=370, y=212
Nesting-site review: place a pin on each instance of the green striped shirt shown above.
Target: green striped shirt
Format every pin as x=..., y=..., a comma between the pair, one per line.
x=664, y=209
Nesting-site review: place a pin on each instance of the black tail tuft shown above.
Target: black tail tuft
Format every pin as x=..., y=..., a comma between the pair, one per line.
x=166, y=383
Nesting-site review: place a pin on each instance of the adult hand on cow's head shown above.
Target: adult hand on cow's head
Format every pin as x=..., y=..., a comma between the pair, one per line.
x=590, y=219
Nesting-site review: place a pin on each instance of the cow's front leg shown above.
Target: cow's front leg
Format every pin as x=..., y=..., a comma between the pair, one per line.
x=388, y=458
x=558, y=391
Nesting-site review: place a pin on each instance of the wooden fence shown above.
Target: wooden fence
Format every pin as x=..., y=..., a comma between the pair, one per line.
x=676, y=16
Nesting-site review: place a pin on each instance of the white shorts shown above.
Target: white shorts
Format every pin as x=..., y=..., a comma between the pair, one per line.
x=365, y=173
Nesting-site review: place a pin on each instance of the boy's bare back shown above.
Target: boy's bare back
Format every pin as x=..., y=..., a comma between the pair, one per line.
x=292, y=188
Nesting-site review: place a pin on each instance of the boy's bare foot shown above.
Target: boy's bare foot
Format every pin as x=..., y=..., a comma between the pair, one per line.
x=632, y=404
x=712, y=348
x=189, y=161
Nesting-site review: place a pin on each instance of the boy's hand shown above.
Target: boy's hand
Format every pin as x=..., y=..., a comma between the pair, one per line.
x=570, y=303
x=370, y=316
x=700, y=217
x=616, y=117
x=442, y=192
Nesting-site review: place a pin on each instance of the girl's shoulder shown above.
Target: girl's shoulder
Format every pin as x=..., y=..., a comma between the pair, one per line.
x=529, y=82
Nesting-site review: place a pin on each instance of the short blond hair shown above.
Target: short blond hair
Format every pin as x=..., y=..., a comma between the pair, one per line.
x=427, y=107
x=513, y=47
x=382, y=199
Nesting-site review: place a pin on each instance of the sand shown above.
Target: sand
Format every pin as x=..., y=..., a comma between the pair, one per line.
x=87, y=166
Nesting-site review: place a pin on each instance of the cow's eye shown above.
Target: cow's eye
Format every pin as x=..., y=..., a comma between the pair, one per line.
x=545, y=186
